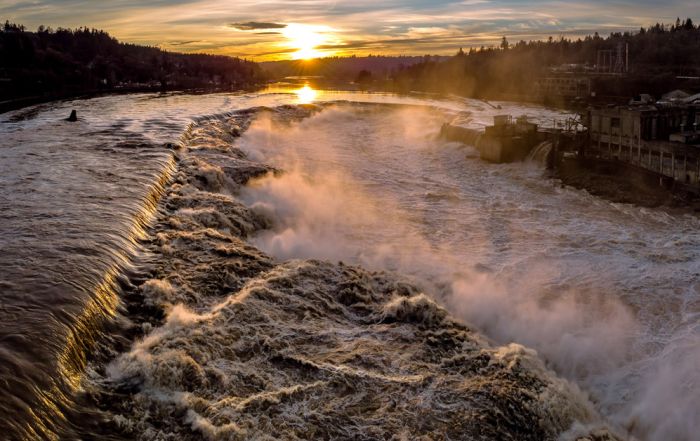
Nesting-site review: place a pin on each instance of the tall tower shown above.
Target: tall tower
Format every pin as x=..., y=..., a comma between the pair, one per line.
x=620, y=65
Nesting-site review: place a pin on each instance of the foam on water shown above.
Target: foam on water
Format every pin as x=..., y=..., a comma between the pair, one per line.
x=230, y=327
x=252, y=348
x=603, y=291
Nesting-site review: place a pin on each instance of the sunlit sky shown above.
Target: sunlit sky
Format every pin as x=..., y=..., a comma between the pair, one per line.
x=268, y=30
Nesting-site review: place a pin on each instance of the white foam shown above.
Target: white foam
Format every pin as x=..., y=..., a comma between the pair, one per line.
x=347, y=194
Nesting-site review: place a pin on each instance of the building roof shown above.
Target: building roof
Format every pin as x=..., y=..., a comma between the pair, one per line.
x=692, y=99
x=675, y=95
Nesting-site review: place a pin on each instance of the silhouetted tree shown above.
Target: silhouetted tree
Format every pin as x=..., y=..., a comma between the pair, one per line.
x=658, y=54
x=504, y=44
x=65, y=61
x=364, y=77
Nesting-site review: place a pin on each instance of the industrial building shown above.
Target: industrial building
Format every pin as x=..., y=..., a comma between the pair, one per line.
x=566, y=86
x=660, y=138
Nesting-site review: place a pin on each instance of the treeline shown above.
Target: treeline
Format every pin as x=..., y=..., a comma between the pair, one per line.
x=659, y=57
x=63, y=62
x=345, y=68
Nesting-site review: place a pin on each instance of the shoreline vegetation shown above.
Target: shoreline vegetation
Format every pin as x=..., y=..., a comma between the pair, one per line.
x=49, y=65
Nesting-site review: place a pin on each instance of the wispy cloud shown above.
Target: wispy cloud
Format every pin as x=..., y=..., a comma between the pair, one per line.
x=183, y=43
x=256, y=25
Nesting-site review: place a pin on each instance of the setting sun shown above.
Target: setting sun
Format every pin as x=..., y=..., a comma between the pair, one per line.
x=306, y=39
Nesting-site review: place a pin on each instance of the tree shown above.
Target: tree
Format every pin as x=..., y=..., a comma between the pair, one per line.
x=504, y=44
x=72, y=61
x=364, y=77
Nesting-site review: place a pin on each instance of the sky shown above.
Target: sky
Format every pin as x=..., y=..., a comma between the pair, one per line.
x=265, y=30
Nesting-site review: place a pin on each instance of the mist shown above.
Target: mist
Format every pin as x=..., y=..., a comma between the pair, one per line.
x=337, y=201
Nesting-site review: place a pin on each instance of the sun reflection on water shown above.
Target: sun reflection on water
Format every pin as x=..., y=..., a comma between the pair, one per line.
x=306, y=95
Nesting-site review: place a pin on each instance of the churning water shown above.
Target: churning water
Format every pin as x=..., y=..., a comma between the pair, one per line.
x=220, y=253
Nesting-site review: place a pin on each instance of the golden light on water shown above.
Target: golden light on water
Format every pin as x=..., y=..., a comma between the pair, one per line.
x=306, y=95
x=305, y=39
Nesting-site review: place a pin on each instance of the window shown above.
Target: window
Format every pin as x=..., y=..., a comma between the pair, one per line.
x=615, y=123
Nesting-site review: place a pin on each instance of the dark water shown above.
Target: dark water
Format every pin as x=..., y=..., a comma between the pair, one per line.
x=254, y=344
x=74, y=203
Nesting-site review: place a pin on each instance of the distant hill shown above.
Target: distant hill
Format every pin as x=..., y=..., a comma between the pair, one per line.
x=345, y=68
x=64, y=62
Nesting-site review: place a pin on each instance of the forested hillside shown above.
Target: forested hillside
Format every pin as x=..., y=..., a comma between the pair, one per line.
x=63, y=62
x=345, y=68
x=661, y=58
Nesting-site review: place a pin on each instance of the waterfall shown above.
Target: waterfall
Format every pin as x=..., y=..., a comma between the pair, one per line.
x=541, y=152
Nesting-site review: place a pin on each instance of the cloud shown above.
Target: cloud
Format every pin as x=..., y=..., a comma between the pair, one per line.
x=183, y=43
x=257, y=25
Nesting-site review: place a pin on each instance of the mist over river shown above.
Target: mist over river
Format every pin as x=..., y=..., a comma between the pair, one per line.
x=169, y=269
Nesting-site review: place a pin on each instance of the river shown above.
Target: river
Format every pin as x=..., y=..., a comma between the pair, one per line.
x=605, y=293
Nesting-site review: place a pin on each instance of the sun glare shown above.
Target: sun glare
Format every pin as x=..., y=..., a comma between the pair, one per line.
x=306, y=95
x=305, y=39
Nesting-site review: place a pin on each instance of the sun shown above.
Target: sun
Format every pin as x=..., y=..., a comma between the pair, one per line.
x=305, y=39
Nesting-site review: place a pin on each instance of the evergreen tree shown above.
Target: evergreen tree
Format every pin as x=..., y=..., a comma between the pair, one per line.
x=504, y=44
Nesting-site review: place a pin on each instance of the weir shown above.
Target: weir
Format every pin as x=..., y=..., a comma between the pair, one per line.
x=513, y=140
x=72, y=222
x=644, y=144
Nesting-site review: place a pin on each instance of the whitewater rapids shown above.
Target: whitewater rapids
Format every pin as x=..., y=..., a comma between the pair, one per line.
x=257, y=348
x=335, y=271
